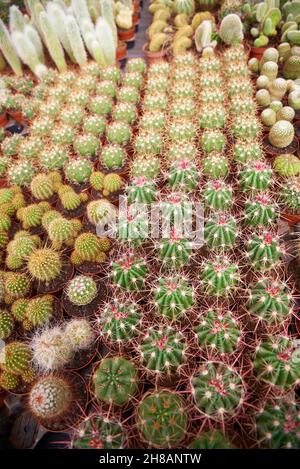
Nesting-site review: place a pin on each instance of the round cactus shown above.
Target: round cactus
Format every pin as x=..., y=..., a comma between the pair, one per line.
x=41, y=187
x=148, y=143
x=119, y=322
x=217, y=195
x=242, y=106
x=119, y=133
x=212, y=140
x=210, y=440
x=100, y=211
x=182, y=92
x=106, y=88
x=275, y=362
x=50, y=349
x=100, y=105
x=132, y=227
x=124, y=112
x=54, y=157
x=155, y=102
x=79, y=98
x=161, y=419
x=245, y=128
x=81, y=290
x=78, y=170
x=218, y=390
x=39, y=311
x=218, y=332
x=162, y=350
x=281, y=134
x=88, y=247
x=115, y=381
x=112, y=183
x=215, y=166
x=63, y=135
x=99, y=432
x=185, y=150
x=287, y=165
x=112, y=72
x=6, y=324
x=212, y=117
x=183, y=108
x=220, y=231
x=10, y=145
x=50, y=398
x=260, y=211
x=270, y=301
x=183, y=175
x=174, y=252
x=87, y=145
x=94, y=125
x=128, y=94
x=256, y=176
x=141, y=190
x=16, y=284
x=61, y=230
x=18, y=309
x=219, y=277
x=30, y=148
x=79, y=334
x=152, y=122
x=182, y=131
x=72, y=116
x=21, y=173
x=145, y=167
x=15, y=358
x=136, y=64
x=44, y=264
x=129, y=273
x=289, y=195
x=245, y=152
x=173, y=297
x=263, y=251
x=278, y=425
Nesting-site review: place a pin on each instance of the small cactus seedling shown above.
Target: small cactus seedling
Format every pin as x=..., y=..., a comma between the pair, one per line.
x=124, y=112
x=263, y=251
x=246, y=152
x=99, y=432
x=162, y=350
x=218, y=332
x=215, y=166
x=100, y=105
x=255, y=177
x=173, y=297
x=100, y=211
x=112, y=73
x=217, y=195
x=129, y=273
x=212, y=140
x=10, y=145
x=128, y=94
x=87, y=145
x=278, y=425
x=212, y=117
x=210, y=440
x=141, y=190
x=185, y=150
x=21, y=173
x=220, y=231
x=81, y=290
x=245, y=128
x=115, y=381
x=119, y=322
x=44, y=264
x=175, y=251
x=183, y=175
x=78, y=170
x=53, y=158
x=113, y=157
x=242, y=106
x=147, y=167
x=6, y=324
x=274, y=362
x=270, y=301
x=112, y=183
x=260, y=211
x=287, y=165
x=220, y=276
x=94, y=125
x=182, y=131
x=31, y=215
x=218, y=390
x=155, y=102
x=162, y=419
x=50, y=398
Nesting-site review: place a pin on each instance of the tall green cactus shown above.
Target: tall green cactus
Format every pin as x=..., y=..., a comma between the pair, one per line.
x=8, y=50
x=54, y=46
x=75, y=40
x=106, y=7
x=57, y=19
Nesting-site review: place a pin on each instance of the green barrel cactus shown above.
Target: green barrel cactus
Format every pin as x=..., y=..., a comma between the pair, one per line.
x=219, y=276
x=16, y=284
x=218, y=390
x=148, y=143
x=39, y=311
x=78, y=170
x=128, y=94
x=81, y=290
x=119, y=322
x=141, y=190
x=183, y=151
x=215, y=166
x=210, y=440
x=6, y=324
x=146, y=167
x=173, y=297
x=87, y=145
x=263, y=251
x=162, y=419
x=152, y=122
x=124, y=112
x=21, y=173
x=129, y=273
x=115, y=381
x=106, y=88
x=218, y=332
x=260, y=211
x=100, y=105
x=16, y=358
x=118, y=133
x=220, y=231
x=99, y=432
x=212, y=117
x=212, y=140
x=44, y=264
x=256, y=176
x=94, y=125
x=287, y=165
x=217, y=195
x=289, y=195
x=174, y=252
x=53, y=158
x=182, y=131
x=245, y=128
x=245, y=152
x=183, y=175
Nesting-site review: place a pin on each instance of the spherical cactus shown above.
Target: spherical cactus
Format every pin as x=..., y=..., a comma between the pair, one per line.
x=212, y=140
x=119, y=322
x=263, y=98
x=87, y=145
x=175, y=251
x=242, y=106
x=39, y=311
x=281, y=134
x=287, y=165
x=112, y=72
x=162, y=350
x=286, y=113
x=217, y=195
x=63, y=135
x=173, y=297
x=132, y=226
x=10, y=145
x=239, y=88
x=152, y=122
x=270, y=301
x=18, y=309
x=61, y=230
x=136, y=64
x=245, y=152
x=79, y=98
x=218, y=332
x=8, y=381
x=94, y=125
x=124, y=112
x=219, y=277
x=115, y=381
x=185, y=6
x=99, y=432
x=21, y=173
x=256, y=176
x=183, y=175
x=182, y=131
x=50, y=398
x=112, y=183
x=275, y=363
x=183, y=109
x=210, y=440
x=100, y=211
x=220, y=231
x=141, y=191
x=212, y=117
x=268, y=117
x=180, y=92
x=54, y=157
x=161, y=419
x=31, y=216
x=185, y=150
x=72, y=116
x=245, y=128
x=146, y=167
x=106, y=88
x=155, y=102
x=119, y=133
x=129, y=273
x=278, y=425
x=44, y=265
x=100, y=105
x=79, y=334
x=15, y=358
x=6, y=324
x=81, y=290
x=148, y=143
x=87, y=247
x=42, y=126
x=128, y=94
x=16, y=284
x=70, y=200
x=50, y=349
x=218, y=390
x=263, y=251
x=96, y=180
x=30, y=148
x=41, y=187
x=260, y=211
x=78, y=170
x=215, y=166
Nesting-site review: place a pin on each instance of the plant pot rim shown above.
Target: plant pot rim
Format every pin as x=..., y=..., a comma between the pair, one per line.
x=149, y=54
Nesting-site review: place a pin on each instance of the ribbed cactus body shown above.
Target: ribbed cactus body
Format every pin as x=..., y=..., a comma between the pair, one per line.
x=174, y=252
x=263, y=251
x=99, y=432
x=115, y=381
x=256, y=176
x=289, y=195
x=100, y=211
x=141, y=190
x=220, y=231
x=6, y=324
x=78, y=170
x=16, y=284
x=148, y=143
x=119, y=133
x=44, y=264
x=152, y=122
x=212, y=117
x=124, y=112
x=215, y=166
x=244, y=152
x=129, y=273
x=146, y=167
x=82, y=290
x=212, y=140
x=162, y=419
x=173, y=297
x=15, y=358
x=281, y=134
x=287, y=165
x=210, y=440
x=39, y=311
x=217, y=195
x=185, y=6
x=220, y=276
x=260, y=211
x=50, y=398
x=183, y=175
x=119, y=322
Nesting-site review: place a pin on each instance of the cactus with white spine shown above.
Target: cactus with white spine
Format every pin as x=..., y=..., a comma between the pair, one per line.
x=129, y=273
x=173, y=297
x=53, y=45
x=260, y=211
x=8, y=50
x=263, y=251
x=219, y=277
x=119, y=322
x=99, y=432
x=220, y=231
x=217, y=195
x=50, y=398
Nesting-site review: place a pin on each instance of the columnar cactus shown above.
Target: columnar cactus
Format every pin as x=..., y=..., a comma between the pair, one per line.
x=50, y=398
x=218, y=332
x=218, y=390
x=275, y=363
x=162, y=350
x=173, y=297
x=162, y=419
x=81, y=290
x=115, y=381
x=220, y=276
x=263, y=251
x=119, y=322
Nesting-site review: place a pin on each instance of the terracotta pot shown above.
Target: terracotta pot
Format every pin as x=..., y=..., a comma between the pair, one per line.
x=290, y=218
x=121, y=51
x=3, y=120
x=135, y=19
x=153, y=57
x=126, y=34
x=257, y=52
x=136, y=7
x=16, y=115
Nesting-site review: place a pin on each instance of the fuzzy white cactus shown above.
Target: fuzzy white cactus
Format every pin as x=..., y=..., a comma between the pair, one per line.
x=8, y=50
x=57, y=19
x=53, y=44
x=76, y=41
x=28, y=54
x=105, y=37
x=231, y=29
